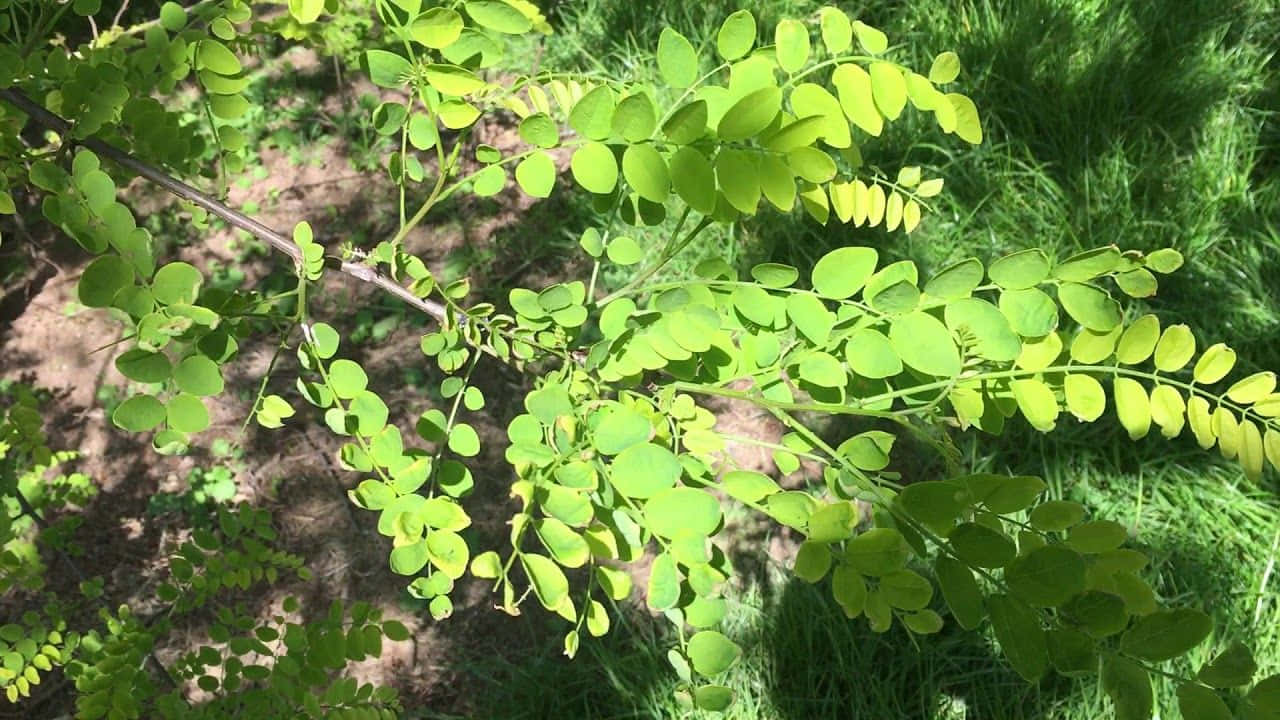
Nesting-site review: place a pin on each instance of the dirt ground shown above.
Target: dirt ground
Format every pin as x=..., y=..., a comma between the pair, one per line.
x=50, y=342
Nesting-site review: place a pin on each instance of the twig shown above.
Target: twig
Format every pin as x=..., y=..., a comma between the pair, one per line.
x=276, y=240
x=115, y=21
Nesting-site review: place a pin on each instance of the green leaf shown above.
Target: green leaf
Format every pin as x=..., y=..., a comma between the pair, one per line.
x=1017, y=627
x=138, y=414
x=186, y=413
x=837, y=31
x=1031, y=312
x=644, y=470
x=823, y=370
x=464, y=441
x=871, y=355
x=968, y=126
x=906, y=590
x=1166, y=634
x=687, y=124
x=1085, y=396
x=813, y=561
x=832, y=523
x=646, y=172
x=736, y=36
x=853, y=85
x=868, y=450
x=750, y=115
x=694, y=180
x=452, y=80
x=956, y=280
x=1138, y=340
x=748, y=486
x=1056, y=515
x=198, y=375
x=1263, y=701
x=889, y=89
x=1020, y=270
x=1133, y=407
x=1253, y=388
x=143, y=366
x=177, y=283
x=347, y=378
x=960, y=591
x=980, y=546
x=595, y=168
x=1164, y=261
x=945, y=68
x=536, y=174
x=849, y=589
x=1138, y=283
x=566, y=546
x=540, y=130
x=1232, y=667
x=1214, y=364
x=549, y=403
x=215, y=56
x=1037, y=403
x=812, y=164
x=712, y=653
x=624, y=251
x=871, y=39
x=820, y=116
x=925, y=622
x=677, y=60
x=1176, y=348
x=635, y=118
x=448, y=552
x=843, y=271
x=663, y=591
x=1129, y=687
x=1003, y=493
x=936, y=505
x=1196, y=701
x=409, y=559
x=713, y=698
x=776, y=275
x=1090, y=306
x=791, y=45
x=173, y=17
x=738, y=173
x=877, y=552
x=103, y=279
x=592, y=116
x=437, y=28
x=548, y=580
x=386, y=69
x=1088, y=265
x=1097, y=536
x=1047, y=576
x=994, y=338
x=1071, y=652
x=924, y=344
x=1100, y=614
x=498, y=16
x=682, y=508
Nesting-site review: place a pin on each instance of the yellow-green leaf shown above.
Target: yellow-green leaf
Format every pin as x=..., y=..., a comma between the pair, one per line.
x=1085, y=397
x=1132, y=406
x=889, y=89
x=791, y=41
x=1176, y=348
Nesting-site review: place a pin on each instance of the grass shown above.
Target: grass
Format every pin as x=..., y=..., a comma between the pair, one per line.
x=1143, y=123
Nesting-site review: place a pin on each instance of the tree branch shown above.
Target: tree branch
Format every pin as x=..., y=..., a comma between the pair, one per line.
x=276, y=240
